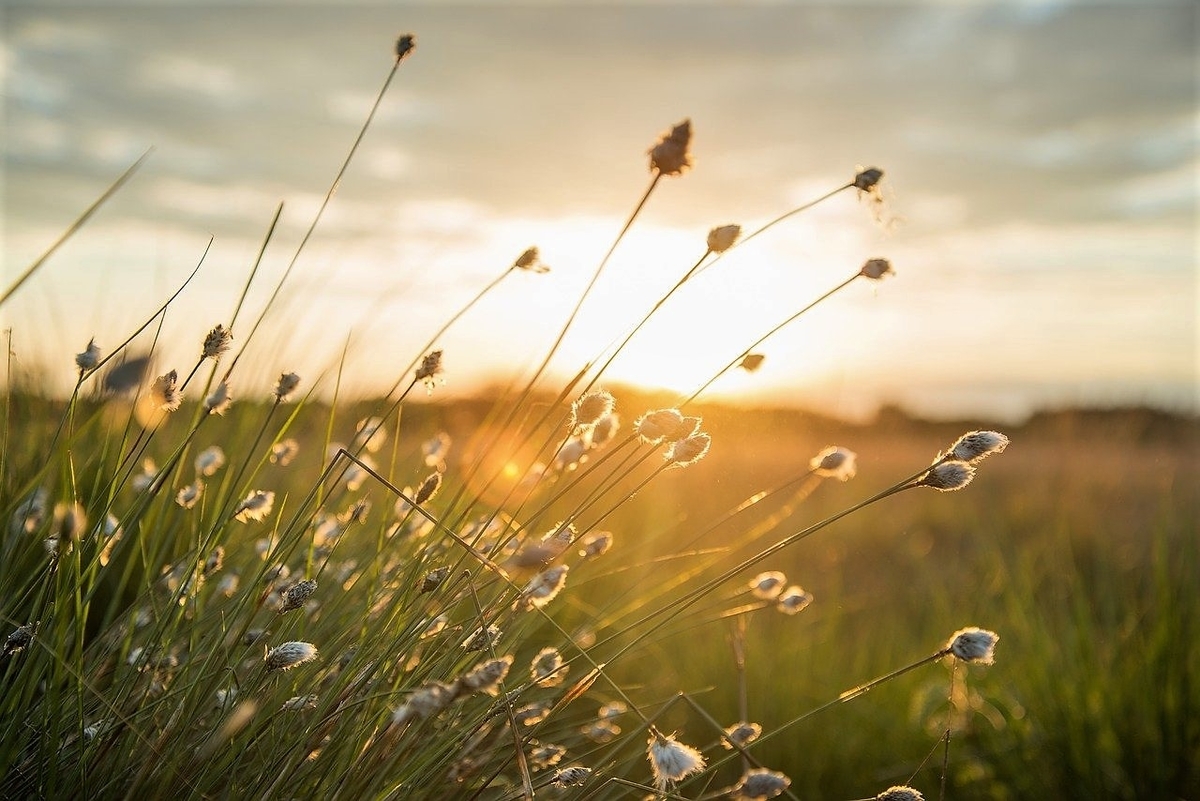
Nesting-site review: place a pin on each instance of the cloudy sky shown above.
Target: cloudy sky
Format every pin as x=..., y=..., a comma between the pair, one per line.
x=1040, y=211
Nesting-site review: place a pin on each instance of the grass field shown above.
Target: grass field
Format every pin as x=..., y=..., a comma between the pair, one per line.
x=1076, y=546
x=555, y=590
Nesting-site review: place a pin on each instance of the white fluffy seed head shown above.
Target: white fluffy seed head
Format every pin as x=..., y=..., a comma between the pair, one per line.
x=571, y=776
x=977, y=445
x=761, y=783
x=948, y=476
x=742, y=734
x=286, y=385
x=689, y=450
x=485, y=677
x=255, y=506
x=589, y=408
x=290, y=654
x=835, y=462
x=974, y=645
x=217, y=342
x=768, y=584
x=87, y=361
x=792, y=600
x=670, y=760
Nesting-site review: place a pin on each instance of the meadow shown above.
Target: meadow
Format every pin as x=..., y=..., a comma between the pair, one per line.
x=218, y=585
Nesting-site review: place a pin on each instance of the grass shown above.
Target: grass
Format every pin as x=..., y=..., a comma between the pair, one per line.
x=369, y=631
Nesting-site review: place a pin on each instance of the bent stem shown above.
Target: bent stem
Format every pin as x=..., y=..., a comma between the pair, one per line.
x=736, y=359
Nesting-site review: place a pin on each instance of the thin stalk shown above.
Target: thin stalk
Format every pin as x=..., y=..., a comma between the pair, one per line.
x=736, y=359
x=75, y=226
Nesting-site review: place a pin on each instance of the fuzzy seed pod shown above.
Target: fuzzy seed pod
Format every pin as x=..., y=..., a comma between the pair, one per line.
x=947, y=476
x=974, y=645
x=290, y=654
x=974, y=446
x=670, y=760
x=87, y=361
x=297, y=595
x=761, y=783
x=721, y=239
x=670, y=155
x=286, y=385
x=217, y=342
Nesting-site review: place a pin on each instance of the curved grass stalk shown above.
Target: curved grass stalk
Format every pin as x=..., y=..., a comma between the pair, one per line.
x=40, y=261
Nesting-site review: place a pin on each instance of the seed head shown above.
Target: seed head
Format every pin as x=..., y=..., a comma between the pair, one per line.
x=285, y=386
x=947, y=476
x=21, y=637
x=290, y=654
x=974, y=645
x=543, y=587
x=428, y=488
x=689, y=450
x=299, y=702
x=900, y=793
x=547, y=669
x=670, y=155
x=571, y=776
x=405, y=45
x=835, y=462
x=601, y=731
x=761, y=783
x=741, y=734
x=545, y=755
x=187, y=496
x=670, y=760
x=165, y=394
x=370, y=434
x=217, y=342
x=531, y=714
x=486, y=676
x=605, y=429
x=792, y=600
x=255, y=506
x=215, y=560
x=571, y=454
x=590, y=408
x=654, y=426
x=87, y=361
x=424, y=702
x=30, y=513
x=751, y=362
x=283, y=452
x=69, y=522
x=721, y=239
x=875, y=269
x=596, y=544
x=975, y=446
x=434, y=450
x=481, y=638
x=210, y=460
x=530, y=262
x=297, y=595
x=433, y=579
x=430, y=369
x=612, y=710
x=866, y=179
x=219, y=400
x=768, y=585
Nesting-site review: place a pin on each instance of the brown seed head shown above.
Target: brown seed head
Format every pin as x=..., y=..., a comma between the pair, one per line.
x=671, y=156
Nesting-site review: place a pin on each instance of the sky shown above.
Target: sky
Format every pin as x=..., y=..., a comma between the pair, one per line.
x=1040, y=193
